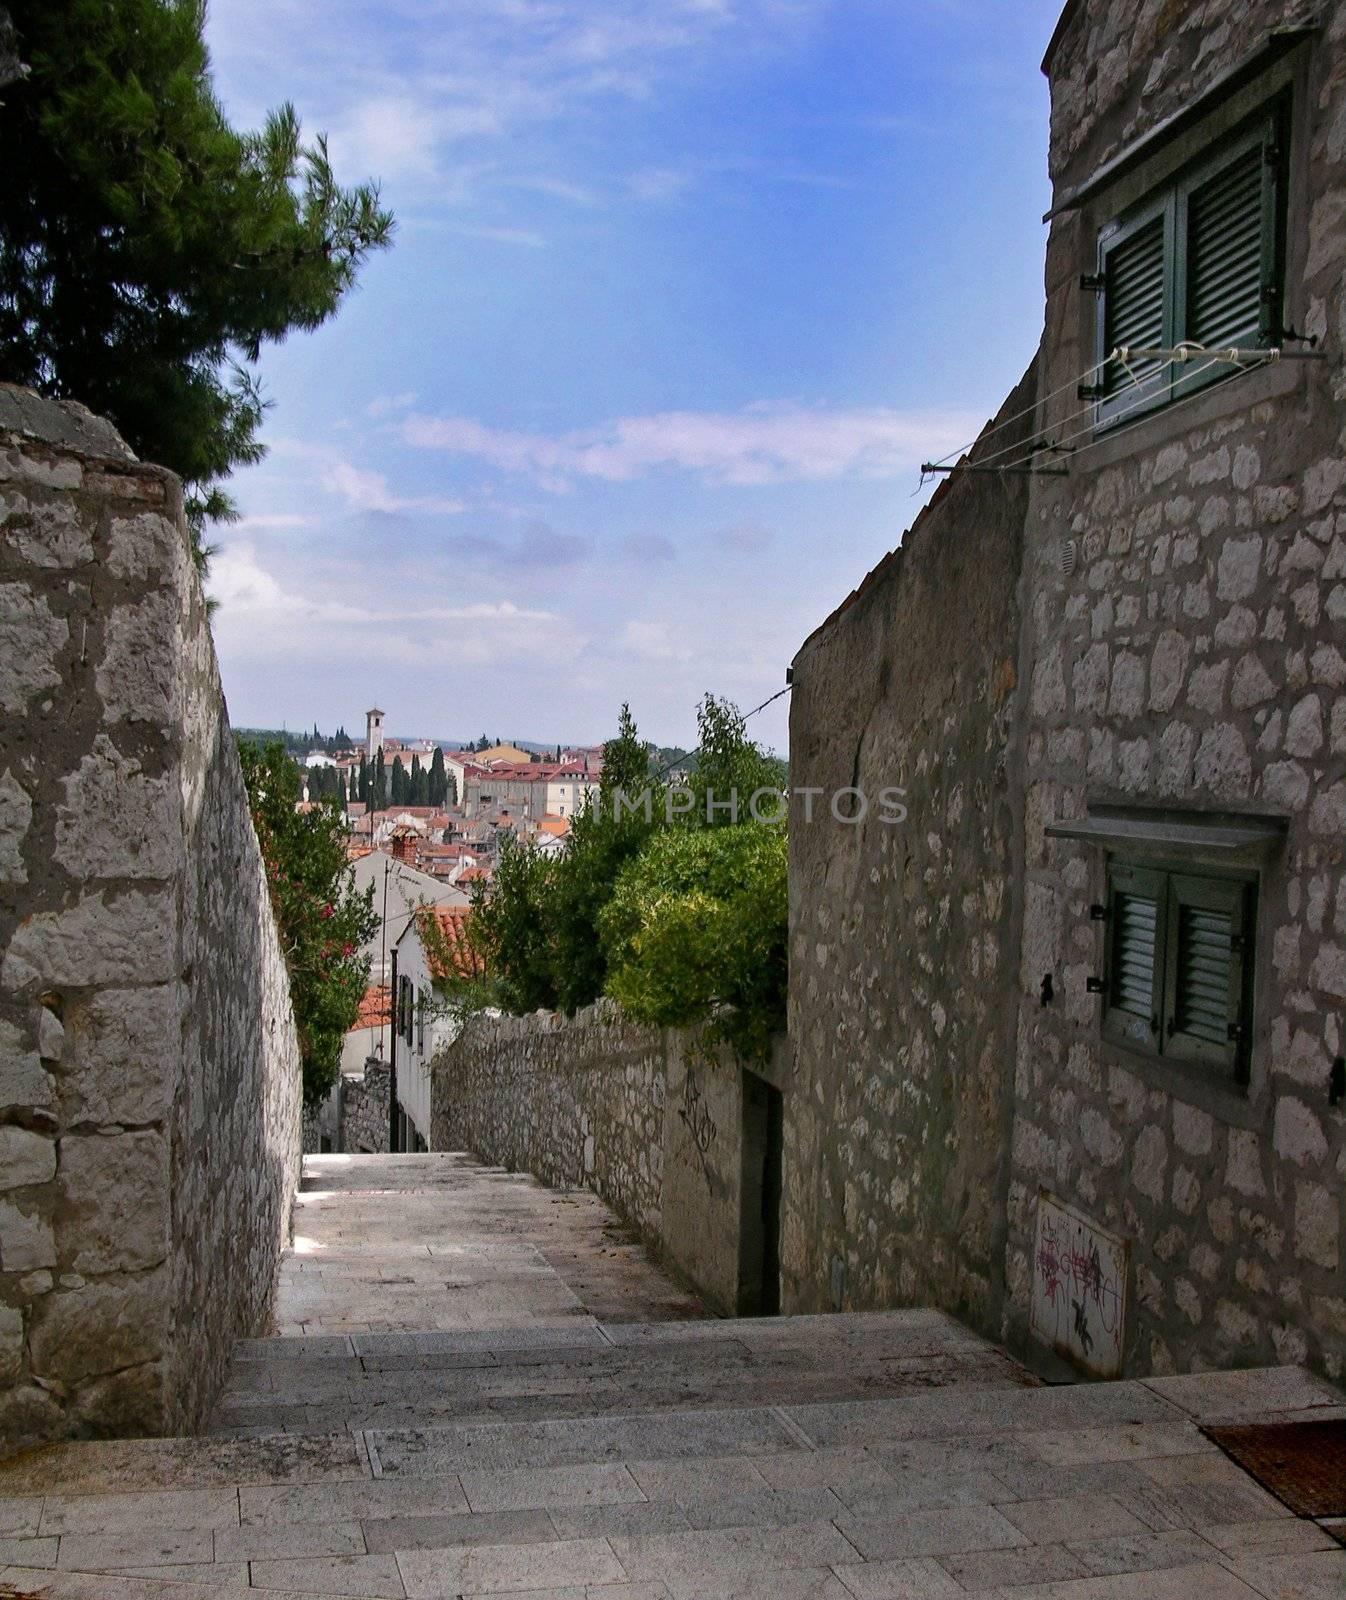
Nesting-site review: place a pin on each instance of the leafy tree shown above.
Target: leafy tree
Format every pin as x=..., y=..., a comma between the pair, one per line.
x=603, y=839
x=541, y=919
x=510, y=927
x=438, y=788
x=321, y=918
x=696, y=930
x=148, y=250
x=730, y=767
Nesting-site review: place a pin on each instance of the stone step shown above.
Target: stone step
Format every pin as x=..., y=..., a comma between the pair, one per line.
x=584, y=1368
x=933, y=1495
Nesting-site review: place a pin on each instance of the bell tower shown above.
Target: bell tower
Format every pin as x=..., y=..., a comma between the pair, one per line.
x=373, y=734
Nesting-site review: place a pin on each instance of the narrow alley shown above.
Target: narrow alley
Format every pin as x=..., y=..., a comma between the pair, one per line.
x=481, y=1387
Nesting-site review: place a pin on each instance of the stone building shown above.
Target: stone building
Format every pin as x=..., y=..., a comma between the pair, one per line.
x=1068, y=1045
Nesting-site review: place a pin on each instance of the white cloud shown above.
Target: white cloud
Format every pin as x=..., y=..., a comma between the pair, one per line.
x=271, y=521
x=248, y=592
x=763, y=444
x=653, y=641
x=369, y=491
x=658, y=184
x=386, y=405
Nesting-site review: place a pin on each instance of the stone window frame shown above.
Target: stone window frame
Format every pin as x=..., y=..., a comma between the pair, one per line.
x=1289, y=77
x=1181, y=883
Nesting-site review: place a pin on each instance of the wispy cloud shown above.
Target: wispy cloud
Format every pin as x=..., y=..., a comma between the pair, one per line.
x=369, y=491
x=270, y=522
x=246, y=589
x=763, y=444
x=653, y=641
x=387, y=405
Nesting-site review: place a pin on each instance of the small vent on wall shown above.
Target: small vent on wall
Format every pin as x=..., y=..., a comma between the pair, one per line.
x=1070, y=555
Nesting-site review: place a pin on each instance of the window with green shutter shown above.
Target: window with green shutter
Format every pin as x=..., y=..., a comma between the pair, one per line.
x=1198, y=262
x=1178, y=965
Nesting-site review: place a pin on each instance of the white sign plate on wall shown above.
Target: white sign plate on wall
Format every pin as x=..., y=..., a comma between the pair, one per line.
x=1078, y=1296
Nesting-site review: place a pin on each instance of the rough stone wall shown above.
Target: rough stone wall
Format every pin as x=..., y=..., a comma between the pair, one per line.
x=1195, y=658
x=149, y=1076
x=364, y=1110
x=644, y=1117
x=901, y=937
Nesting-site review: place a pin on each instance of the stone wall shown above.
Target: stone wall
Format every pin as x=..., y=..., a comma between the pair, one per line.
x=1169, y=605
x=902, y=937
x=364, y=1109
x=646, y=1118
x=149, y=1075
x=1194, y=659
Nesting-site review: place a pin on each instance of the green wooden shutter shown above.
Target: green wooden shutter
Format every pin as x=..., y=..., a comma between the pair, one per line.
x=1134, y=312
x=1134, y=960
x=1205, y=1009
x=1224, y=254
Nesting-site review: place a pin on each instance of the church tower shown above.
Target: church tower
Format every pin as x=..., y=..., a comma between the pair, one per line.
x=373, y=734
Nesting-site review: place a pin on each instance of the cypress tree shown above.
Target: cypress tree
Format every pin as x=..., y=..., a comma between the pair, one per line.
x=439, y=779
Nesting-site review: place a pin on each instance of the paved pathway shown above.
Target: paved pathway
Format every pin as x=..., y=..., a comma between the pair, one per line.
x=496, y=1393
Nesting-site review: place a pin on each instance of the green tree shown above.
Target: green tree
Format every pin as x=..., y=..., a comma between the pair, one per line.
x=730, y=767
x=603, y=839
x=148, y=250
x=398, y=783
x=321, y=918
x=378, y=783
x=509, y=925
x=696, y=931
x=439, y=779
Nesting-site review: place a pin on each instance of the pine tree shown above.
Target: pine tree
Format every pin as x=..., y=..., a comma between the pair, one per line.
x=147, y=250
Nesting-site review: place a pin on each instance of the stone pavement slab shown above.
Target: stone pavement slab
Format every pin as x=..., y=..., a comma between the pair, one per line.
x=484, y=1397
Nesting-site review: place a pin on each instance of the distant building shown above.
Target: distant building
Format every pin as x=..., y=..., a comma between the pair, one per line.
x=373, y=734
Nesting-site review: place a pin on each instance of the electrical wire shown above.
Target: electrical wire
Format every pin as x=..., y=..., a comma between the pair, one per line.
x=747, y=716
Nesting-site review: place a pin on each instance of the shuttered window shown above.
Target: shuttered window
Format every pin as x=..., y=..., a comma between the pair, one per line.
x=1178, y=972
x=1136, y=307
x=1224, y=254
x=1198, y=262
x=1135, y=936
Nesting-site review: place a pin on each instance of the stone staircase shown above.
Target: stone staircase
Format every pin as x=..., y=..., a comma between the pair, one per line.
x=523, y=1444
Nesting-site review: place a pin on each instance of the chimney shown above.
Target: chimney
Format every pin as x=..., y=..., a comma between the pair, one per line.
x=404, y=847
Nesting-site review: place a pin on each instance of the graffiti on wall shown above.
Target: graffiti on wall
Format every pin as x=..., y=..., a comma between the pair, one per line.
x=1078, y=1304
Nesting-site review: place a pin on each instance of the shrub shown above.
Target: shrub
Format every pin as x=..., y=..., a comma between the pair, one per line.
x=696, y=931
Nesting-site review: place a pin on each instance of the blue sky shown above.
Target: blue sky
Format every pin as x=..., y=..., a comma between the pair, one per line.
x=682, y=293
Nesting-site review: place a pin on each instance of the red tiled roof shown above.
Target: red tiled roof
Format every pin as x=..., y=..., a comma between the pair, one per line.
x=474, y=875
x=375, y=1008
x=465, y=960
